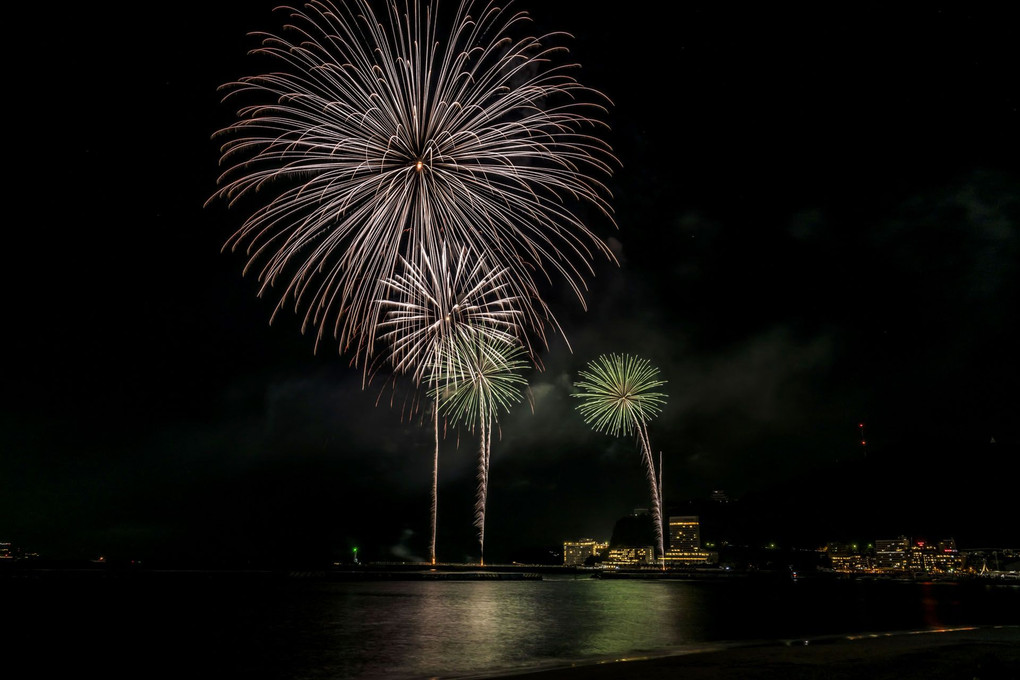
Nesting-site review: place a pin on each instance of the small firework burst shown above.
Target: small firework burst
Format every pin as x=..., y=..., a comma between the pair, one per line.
x=617, y=393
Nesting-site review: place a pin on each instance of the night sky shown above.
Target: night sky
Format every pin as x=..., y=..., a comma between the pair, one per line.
x=818, y=226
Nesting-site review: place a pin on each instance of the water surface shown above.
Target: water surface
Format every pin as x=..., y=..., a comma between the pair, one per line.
x=312, y=629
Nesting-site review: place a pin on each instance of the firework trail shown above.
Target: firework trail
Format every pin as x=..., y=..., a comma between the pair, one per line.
x=485, y=379
x=617, y=397
x=430, y=312
x=375, y=140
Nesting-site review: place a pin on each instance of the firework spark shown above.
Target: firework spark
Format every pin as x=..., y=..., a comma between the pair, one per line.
x=485, y=379
x=374, y=141
x=449, y=301
x=617, y=393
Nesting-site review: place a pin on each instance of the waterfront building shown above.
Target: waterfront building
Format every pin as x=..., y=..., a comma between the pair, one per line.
x=848, y=558
x=948, y=558
x=685, y=533
x=921, y=557
x=577, y=553
x=6, y=551
x=680, y=558
x=918, y=556
x=685, y=542
x=630, y=556
x=892, y=553
x=935, y=557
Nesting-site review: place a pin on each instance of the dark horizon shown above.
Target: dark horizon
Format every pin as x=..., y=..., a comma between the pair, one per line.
x=841, y=502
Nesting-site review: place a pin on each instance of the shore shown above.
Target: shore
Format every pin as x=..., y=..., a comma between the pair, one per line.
x=991, y=653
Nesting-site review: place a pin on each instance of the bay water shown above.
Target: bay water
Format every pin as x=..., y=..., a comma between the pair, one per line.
x=315, y=628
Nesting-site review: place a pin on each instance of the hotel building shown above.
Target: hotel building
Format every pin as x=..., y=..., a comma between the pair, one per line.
x=892, y=553
x=848, y=558
x=630, y=556
x=902, y=554
x=685, y=542
x=577, y=553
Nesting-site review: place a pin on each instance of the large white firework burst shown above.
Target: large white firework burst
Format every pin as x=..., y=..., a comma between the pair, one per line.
x=377, y=139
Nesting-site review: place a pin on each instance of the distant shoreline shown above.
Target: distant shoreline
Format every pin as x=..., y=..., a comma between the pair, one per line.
x=424, y=572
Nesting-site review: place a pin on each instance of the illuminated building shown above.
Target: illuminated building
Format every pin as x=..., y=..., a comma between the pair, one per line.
x=719, y=496
x=918, y=555
x=934, y=557
x=947, y=557
x=892, y=553
x=577, y=553
x=630, y=556
x=921, y=557
x=6, y=551
x=685, y=541
x=847, y=558
x=685, y=533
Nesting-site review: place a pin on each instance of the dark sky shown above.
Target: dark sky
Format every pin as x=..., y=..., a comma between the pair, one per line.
x=819, y=225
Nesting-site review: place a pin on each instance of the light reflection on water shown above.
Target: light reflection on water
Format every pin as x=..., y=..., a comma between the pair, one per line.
x=443, y=628
x=484, y=625
x=451, y=628
x=427, y=629
x=320, y=629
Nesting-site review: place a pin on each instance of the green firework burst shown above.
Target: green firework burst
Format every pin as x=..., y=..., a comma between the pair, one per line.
x=481, y=378
x=617, y=393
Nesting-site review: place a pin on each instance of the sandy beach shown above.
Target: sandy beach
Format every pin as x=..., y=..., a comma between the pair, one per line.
x=991, y=653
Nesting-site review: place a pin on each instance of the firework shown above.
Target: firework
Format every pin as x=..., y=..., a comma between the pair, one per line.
x=375, y=140
x=618, y=396
x=440, y=303
x=484, y=379
x=429, y=312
